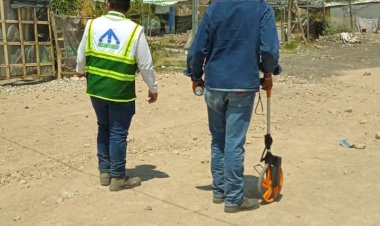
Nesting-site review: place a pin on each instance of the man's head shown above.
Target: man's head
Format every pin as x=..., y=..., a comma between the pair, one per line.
x=118, y=5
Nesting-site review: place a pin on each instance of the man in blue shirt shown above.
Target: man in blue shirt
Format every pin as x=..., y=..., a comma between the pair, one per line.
x=235, y=40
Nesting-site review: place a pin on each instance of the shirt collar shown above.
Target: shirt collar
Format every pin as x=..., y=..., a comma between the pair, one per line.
x=115, y=13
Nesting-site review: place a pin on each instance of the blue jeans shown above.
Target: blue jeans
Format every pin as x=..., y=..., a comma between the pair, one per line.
x=229, y=114
x=114, y=119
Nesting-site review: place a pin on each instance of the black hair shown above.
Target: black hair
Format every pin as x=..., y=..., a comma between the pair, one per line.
x=120, y=5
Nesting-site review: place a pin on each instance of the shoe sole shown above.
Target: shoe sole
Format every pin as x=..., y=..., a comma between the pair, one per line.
x=236, y=209
x=125, y=186
x=217, y=200
x=105, y=183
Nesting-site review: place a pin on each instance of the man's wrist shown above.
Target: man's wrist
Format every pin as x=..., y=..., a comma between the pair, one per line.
x=196, y=79
x=267, y=75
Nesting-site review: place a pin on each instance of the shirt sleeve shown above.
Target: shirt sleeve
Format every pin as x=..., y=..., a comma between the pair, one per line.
x=198, y=50
x=145, y=62
x=269, y=44
x=81, y=57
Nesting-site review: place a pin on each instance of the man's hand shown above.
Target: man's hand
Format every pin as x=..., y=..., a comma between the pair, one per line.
x=152, y=97
x=267, y=83
x=197, y=83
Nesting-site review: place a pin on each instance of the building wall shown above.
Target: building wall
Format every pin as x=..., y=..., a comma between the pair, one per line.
x=340, y=15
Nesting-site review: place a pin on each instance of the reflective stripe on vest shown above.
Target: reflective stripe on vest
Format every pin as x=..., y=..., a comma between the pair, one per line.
x=111, y=76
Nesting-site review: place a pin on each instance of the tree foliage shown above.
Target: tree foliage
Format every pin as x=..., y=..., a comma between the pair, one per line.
x=67, y=7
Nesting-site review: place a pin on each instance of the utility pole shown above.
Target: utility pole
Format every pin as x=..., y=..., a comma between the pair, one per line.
x=194, y=26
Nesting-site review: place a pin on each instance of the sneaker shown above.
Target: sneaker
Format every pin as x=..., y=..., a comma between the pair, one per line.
x=217, y=200
x=118, y=184
x=247, y=204
x=105, y=179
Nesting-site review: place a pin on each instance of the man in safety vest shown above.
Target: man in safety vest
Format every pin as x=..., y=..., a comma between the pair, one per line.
x=112, y=49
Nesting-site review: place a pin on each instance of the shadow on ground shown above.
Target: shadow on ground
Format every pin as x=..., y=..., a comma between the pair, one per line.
x=146, y=172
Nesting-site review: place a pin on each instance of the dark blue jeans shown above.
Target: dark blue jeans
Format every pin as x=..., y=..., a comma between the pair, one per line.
x=229, y=114
x=114, y=119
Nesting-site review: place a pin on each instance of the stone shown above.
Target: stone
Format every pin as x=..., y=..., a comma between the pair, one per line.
x=364, y=121
x=359, y=146
x=148, y=208
x=377, y=135
x=366, y=73
x=18, y=218
x=349, y=110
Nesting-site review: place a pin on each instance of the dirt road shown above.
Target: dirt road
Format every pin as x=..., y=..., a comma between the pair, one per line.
x=48, y=164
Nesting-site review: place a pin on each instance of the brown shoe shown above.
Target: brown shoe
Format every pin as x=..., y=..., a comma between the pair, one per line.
x=118, y=184
x=105, y=179
x=247, y=204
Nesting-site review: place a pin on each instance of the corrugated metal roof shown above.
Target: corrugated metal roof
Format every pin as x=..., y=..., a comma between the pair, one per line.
x=162, y=2
x=345, y=2
x=319, y=3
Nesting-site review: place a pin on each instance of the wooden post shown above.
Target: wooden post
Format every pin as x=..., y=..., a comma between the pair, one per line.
x=351, y=22
x=308, y=20
x=51, y=42
x=289, y=33
x=299, y=21
x=22, y=46
x=37, y=47
x=57, y=47
x=5, y=40
x=194, y=11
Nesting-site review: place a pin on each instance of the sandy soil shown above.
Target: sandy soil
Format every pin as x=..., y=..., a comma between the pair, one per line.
x=48, y=164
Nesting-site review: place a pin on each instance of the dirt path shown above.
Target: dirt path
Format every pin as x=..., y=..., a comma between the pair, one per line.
x=48, y=165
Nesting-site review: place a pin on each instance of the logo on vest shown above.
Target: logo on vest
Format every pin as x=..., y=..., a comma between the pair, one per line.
x=110, y=35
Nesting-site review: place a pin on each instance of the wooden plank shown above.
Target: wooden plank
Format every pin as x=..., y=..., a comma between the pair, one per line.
x=27, y=65
x=28, y=43
x=59, y=52
x=69, y=73
x=51, y=41
x=69, y=57
x=25, y=22
x=36, y=39
x=21, y=32
x=11, y=21
x=3, y=28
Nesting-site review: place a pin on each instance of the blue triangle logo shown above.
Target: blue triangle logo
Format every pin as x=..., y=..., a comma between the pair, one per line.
x=109, y=35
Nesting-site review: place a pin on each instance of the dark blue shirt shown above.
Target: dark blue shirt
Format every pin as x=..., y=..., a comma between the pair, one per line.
x=235, y=39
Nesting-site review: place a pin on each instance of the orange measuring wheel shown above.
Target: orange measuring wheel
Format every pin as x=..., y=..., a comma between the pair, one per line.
x=270, y=183
x=271, y=178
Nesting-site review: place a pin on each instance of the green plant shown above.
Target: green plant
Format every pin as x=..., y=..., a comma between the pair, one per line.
x=329, y=28
x=66, y=7
x=290, y=46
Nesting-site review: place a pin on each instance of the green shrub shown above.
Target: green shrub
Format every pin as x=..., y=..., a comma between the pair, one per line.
x=290, y=46
x=67, y=7
x=329, y=28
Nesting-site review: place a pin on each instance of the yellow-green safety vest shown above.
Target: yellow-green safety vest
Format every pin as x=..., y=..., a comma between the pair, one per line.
x=109, y=67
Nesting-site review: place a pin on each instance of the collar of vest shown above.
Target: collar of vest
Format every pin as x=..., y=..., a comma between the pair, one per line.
x=117, y=14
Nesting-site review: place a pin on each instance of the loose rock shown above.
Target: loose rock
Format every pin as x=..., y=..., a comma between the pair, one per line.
x=148, y=208
x=349, y=110
x=366, y=73
x=359, y=146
